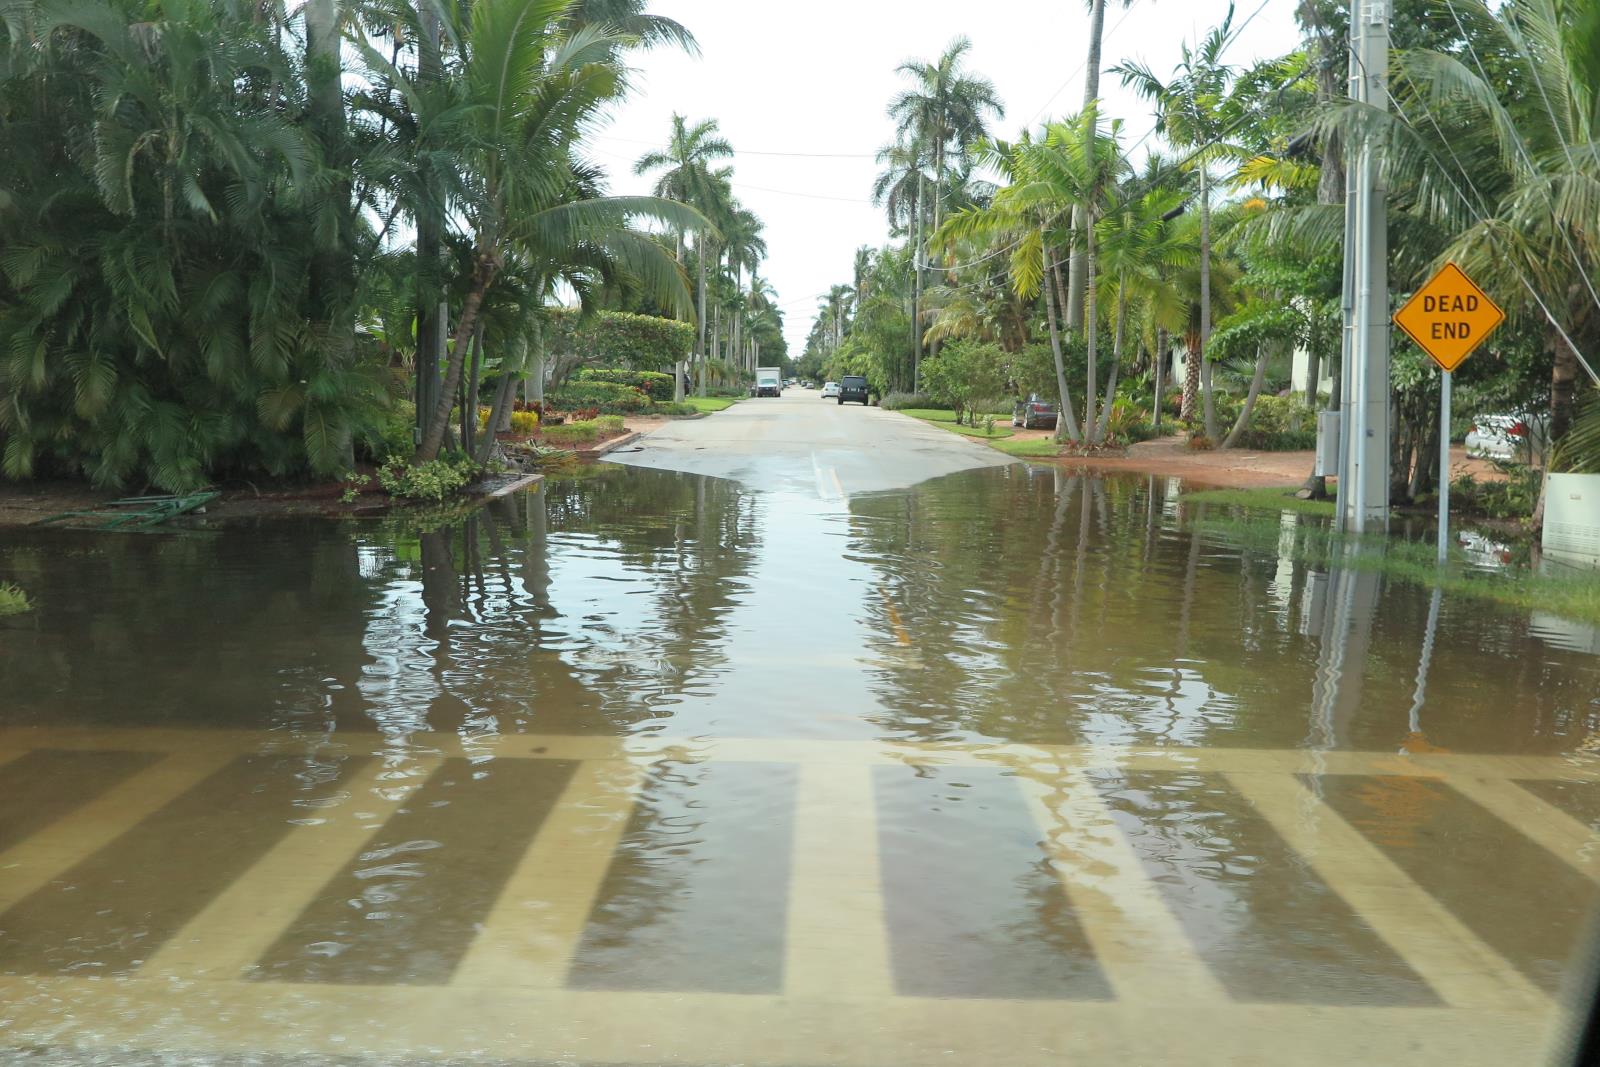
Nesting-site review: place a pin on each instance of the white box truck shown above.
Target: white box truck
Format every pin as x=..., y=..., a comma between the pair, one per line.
x=769, y=381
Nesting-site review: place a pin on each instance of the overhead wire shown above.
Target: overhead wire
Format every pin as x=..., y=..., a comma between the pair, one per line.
x=1079, y=68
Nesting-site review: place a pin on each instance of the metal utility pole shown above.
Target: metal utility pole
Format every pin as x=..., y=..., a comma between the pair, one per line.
x=1364, y=423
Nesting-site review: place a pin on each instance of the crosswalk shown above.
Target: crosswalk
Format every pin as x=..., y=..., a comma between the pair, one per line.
x=659, y=899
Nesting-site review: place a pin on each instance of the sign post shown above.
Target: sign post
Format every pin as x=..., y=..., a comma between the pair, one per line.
x=1448, y=318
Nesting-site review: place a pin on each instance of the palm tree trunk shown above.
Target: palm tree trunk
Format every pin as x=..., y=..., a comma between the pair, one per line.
x=1066, y=423
x=1563, y=385
x=430, y=229
x=1116, y=360
x=1250, y=398
x=916, y=302
x=1091, y=332
x=1191, y=376
x=1091, y=92
x=1205, y=302
x=700, y=255
x=439, y=423
x=1163, y=358
x=469, y=402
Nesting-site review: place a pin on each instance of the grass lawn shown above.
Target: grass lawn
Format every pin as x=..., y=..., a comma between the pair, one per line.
x=946, y=420
x=1035, y=448
x=1262, y=500
x=1412, y=561
x=1000, y=432
x=711, y=403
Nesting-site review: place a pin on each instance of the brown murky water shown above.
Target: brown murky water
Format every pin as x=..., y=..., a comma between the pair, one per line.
x=645, y=768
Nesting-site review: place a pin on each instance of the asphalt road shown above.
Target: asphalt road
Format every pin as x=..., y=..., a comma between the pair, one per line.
x=801, y=443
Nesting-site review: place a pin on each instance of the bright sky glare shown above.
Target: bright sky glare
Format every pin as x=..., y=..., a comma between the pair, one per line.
x=817, y=78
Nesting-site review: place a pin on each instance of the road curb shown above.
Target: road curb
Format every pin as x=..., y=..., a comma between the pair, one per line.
x=616, y=442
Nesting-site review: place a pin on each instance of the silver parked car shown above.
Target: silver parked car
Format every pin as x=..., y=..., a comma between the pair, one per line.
x=1509, y=436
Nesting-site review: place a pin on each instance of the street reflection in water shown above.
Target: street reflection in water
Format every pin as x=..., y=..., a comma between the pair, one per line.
x=641, y=767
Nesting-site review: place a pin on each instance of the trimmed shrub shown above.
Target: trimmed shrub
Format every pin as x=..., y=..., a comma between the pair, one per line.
x=572, y=433
x=610, y=423
x=900, y=401
x=653, y=384
x=671, y=408
x=610, y=398
x=644, y=342
x=1281, y=441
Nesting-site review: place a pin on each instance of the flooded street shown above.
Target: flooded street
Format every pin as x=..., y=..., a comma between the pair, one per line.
x=833, y=754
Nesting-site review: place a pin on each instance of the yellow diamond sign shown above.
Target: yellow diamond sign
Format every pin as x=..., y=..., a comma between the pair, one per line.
x=1449, y=317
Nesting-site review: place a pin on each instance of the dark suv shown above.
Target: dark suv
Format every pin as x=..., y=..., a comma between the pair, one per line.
x=853, y=387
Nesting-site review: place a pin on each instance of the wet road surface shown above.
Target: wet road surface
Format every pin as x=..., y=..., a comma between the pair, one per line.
x=744, y=767
x=800, y=444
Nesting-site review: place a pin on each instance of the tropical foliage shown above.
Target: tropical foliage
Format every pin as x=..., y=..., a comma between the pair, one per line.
x=237, y=239
x=1221, y=244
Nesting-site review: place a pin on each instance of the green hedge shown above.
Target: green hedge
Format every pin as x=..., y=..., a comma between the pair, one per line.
x=642, y=342
x=901, y=401
x=655, y=385
x=571, y=433
x=611, y=398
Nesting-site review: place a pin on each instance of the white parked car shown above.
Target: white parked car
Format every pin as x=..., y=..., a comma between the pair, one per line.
x=1508, y=436
x=830, y=390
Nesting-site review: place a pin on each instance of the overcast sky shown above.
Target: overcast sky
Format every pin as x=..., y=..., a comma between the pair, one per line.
x=817, y=77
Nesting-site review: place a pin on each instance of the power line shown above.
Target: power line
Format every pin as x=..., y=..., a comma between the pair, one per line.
x=1079, y=68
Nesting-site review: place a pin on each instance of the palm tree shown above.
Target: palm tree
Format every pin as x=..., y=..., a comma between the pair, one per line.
x=1047, y=177
x=686, y=175
x=1091, y=95
x=744, y=248
x=945, y=109
x=861, y=271
x=1504, y=161
x=515, y=106
x=1193, y=110
x=633, y=22
x=1139, y=251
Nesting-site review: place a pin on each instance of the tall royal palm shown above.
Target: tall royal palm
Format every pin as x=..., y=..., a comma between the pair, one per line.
x=687, y=174
x=1194, y=110
x=1091, y=94
x=946, y=109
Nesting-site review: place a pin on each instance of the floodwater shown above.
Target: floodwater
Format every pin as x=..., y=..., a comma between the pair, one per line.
x=642, y=767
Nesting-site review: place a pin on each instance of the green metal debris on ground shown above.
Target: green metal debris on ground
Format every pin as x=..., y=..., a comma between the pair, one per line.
x=139, y=511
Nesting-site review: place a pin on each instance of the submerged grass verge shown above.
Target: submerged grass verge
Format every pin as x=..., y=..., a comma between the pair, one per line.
x=710, y=403
x=1036, y=448
x=1270, y=499
x=1575, y=596
x=13, y=601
